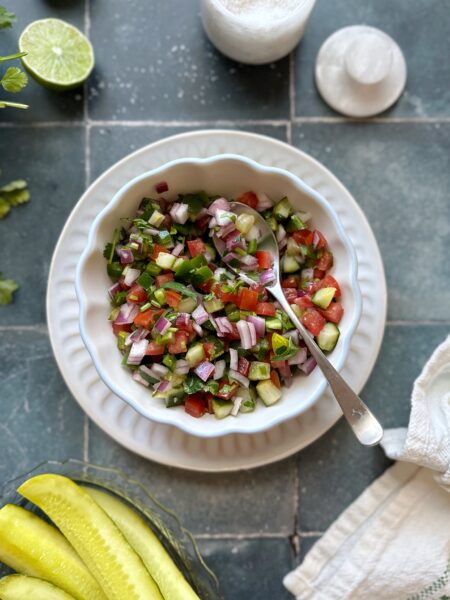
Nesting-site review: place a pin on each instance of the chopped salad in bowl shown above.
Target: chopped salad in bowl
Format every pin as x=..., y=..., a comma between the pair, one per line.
x=193, y=339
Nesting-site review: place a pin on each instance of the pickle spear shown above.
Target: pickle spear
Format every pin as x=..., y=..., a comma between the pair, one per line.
x=114, y=564
x=22, y=587
x=141, y=538
x=31, y=546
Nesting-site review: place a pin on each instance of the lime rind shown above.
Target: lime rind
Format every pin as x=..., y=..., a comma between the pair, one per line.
x=58, y=54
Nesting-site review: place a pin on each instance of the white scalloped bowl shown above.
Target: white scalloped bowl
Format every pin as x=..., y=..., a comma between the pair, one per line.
x=229, y=175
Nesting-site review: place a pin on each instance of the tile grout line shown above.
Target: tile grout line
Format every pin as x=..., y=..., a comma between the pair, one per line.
x=37, y=327
x=241, y=536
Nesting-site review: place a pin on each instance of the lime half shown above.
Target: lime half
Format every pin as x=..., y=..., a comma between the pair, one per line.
x=58, y=56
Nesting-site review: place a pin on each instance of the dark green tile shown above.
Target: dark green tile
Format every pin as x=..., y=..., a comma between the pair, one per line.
x=52, y=161
x=40, y=419
x=399, y=175
x=409, y=22
x=260, y=500
x=249, y=568
x=335, y=470
x=44, y=105
x=154, y=62
x=306, y=543
x=109, y=144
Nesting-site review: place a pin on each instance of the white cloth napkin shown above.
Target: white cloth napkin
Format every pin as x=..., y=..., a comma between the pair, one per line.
x=393, y=542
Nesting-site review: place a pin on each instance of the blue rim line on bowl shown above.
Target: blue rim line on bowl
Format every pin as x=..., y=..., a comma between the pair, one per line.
x=169, y=419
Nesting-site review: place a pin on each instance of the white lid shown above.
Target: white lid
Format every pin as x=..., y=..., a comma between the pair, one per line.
x=360, y=71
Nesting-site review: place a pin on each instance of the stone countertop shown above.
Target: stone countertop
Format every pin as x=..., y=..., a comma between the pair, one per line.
x=157, y=75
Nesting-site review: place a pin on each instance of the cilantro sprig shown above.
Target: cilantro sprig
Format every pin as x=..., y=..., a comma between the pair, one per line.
x=6, y=18
x=13, y=194
x=13, y=80
x=7, y=288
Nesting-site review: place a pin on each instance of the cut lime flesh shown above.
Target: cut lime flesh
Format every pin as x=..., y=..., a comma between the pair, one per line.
x=114, y=564
x=142, y=539
x=32, y=547
x=22, y=587
x=58, y=56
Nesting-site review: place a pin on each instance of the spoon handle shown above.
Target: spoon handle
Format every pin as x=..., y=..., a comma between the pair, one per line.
x=363, y=423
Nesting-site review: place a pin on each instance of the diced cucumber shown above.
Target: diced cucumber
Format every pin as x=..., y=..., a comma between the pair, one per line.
x=244, y=223
x=248, y=396
x=273, y=324
x=178, y=262
x=272, y=223
x=328, y=337
x=259, y=371
x=292, y=248
x=146, y=544
x=282, y=209
x=169, y=360
x=195, y=355
x=187, y=305
x=156, y=219
x=213, y=305
x=31, y=546
x=289, y=264
x=295, y=223
x=122, y=336
x=268, y=392
x=160, y=296
x=175, y=397
x=146, y=374
x=297, y=310
x=108, y=556
x=22, y=587
x=324, y=296
x=221, y=408
x=165, y=260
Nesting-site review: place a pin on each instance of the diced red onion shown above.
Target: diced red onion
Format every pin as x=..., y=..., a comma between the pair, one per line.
x=219, y=369
x=162, y=187
x=223, y=217
x=236, y=406
x=164, y=386
x=204, y=370
x=136, y=336
x=147, y=371
x=200, y=315
x=293, y=334
x=179, y=213
x=138, y=377
x=130, y=276
x=125, y=255
x=220, y=203
x=307, y=274
x=178, y=249
x=245, y=335
x=127, y=314
x=182, y=320
x=233, y=359
x=229, y=257
x=224, y=325
x=259, y=323
x=112, y=291
x=239, y=377
x=301, y=293
x=137, y=352
x=159, y=370
x=299, y=358
x=281, y=233
x=198, y=330
x=309, y=365
x=224, y=231
x=267, y=276
x=219, y=244
x=264, y=202
x=249, y=261
x=234, y=240
x=162, y=325
x=253, y=336
x=181, y=367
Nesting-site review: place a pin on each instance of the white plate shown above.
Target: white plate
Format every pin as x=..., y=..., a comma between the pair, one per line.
x=166, y=444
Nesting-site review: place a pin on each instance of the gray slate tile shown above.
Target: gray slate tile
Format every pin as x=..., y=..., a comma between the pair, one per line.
x=249, y=568
x=40, y=419
x=237, y=503
x=420, y=27
x=399, y=175
x=52, y=161
x=45, y=105
x=111, y=143
x=154, y=62
x=335, y=470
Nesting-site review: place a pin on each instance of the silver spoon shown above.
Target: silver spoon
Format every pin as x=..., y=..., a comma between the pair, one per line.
x=363, y=423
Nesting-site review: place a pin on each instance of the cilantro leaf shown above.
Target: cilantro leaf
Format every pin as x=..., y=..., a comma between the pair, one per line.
x=13, y=194
x=4, y=207
x=192, y=384
x=14, y=80
x=179, y=287
x=286, y=352
x=7, y=288
x=6, y=18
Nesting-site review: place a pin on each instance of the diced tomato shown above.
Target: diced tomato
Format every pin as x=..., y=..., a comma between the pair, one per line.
x=209, y=405
x=325, y=262
x=249, y=198
x=243, y=366
x=333, y=313
x=275, y=379
x=291, y=294
x=248, y=299
x=173, y=298
x=196, y=247
x=330, y=281
x=313, y=321
x=234, y=334
x=203, y=221
x=205, y=286
x=188, y=327
x=290, y=282
x=209, y=349
x=225, y=296
x=262, y=292
x=223, y=393
x=154, y=349
x=146, y=318
x=195, y=406
x=179, y=344
x=137, y=294
x=164, y=278
x=304, y=302
x=265, y=309
x=303, y=236
x=264, y=259
x=319, y=274
x=157, y=248
x=118, y=328
x=312, y=287
x=322, y=243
